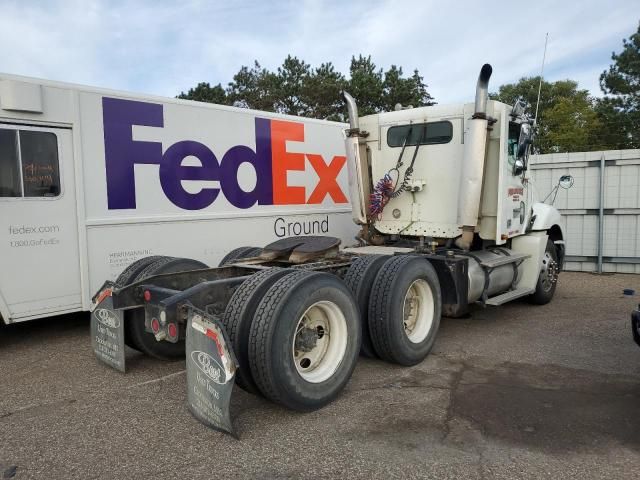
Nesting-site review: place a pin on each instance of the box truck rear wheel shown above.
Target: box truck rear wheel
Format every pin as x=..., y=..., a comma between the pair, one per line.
x=404, y=310
x=130, y=273
x=146, y=341
x=238, y=317
x=239, y=253
x=359, y=279
x=128, y=276
x=305, y=340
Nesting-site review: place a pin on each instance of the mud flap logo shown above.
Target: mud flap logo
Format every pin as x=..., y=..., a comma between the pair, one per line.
x=107, y=333
x=107, y=318
x=209, y=366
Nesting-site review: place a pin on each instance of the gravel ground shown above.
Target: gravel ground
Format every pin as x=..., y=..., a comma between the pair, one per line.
x=517, y=391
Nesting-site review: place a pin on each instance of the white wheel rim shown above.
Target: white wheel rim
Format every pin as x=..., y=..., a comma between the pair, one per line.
x=418, y=311
x=320, y=341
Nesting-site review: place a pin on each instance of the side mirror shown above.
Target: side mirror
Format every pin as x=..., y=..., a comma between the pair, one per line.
x=518, y=108
x=566, y=182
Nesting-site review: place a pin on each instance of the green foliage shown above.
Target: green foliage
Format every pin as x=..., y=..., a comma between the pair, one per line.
x=298, y=89
x=366, y=85
x=404, y=91
x=619, y=110
x=290, y=88
x=255, y=88
x=322, y=93
x=566, y=117
x=203, y=92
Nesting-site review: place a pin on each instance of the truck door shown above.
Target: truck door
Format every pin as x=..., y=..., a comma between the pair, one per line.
x=39, y=264
x=513, y=204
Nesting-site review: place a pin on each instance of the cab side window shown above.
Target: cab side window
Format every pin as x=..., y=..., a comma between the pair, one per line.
x=29, y=164
x=431, y=133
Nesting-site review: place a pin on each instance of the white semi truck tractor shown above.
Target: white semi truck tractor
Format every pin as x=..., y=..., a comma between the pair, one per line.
x=448, y=220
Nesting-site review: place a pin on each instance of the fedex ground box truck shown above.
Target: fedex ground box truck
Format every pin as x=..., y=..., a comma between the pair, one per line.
x=92, y=180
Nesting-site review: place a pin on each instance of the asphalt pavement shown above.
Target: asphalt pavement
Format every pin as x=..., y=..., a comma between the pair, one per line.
x=517, y=391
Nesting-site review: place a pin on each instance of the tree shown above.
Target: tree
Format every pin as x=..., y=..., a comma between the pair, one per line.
x=619, y=110
x=366, y=85
x=204, y=92
x=322, y=92
x=404, y=91
x=255, y=88
x=570, y=125
x=298, y=89
x=566, y=117
x=291, y=79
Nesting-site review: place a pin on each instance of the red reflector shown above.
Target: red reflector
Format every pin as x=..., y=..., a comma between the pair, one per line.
x=173, y=330
x=213, y=335
x=155, y=325
x=104, y=294
x=147, y=295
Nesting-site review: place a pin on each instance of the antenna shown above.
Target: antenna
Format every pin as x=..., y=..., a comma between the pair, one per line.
x=544, y=56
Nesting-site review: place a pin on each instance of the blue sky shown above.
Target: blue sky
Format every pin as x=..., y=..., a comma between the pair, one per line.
x=162, y=47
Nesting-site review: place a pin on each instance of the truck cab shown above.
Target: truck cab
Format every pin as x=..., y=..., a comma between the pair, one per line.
x=431, y=208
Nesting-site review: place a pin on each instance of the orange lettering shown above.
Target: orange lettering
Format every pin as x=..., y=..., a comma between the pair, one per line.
x=327, y=179
x=283, y=161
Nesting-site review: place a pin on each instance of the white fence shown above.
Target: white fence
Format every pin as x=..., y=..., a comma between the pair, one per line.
x=602, y=225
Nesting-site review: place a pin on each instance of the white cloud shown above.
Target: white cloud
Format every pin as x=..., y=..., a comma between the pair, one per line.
x=163, y=47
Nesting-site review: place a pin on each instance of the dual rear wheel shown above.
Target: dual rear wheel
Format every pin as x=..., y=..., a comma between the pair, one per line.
x=296, y=335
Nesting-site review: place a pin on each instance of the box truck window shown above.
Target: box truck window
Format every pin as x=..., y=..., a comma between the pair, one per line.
x=32, y=170
x=40, y=170
x=427, y=133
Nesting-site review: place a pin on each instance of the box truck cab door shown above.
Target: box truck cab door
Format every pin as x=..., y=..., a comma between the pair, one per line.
x=39, y=264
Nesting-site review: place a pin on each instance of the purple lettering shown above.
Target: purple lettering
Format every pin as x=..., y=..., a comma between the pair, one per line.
x=121, y=152
x=172, y=172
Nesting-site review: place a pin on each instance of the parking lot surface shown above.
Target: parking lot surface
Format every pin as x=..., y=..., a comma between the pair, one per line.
x=518, y=391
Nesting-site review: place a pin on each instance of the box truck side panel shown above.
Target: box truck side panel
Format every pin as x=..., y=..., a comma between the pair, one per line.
x=168, y=178
x=38, y=224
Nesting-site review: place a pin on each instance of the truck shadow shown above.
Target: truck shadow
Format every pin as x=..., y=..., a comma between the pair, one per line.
x=57, y=328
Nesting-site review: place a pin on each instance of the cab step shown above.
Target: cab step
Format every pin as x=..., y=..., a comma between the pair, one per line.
x=508, y=296
x=504, y=260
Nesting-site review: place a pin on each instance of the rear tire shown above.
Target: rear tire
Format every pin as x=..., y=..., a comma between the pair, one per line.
x=548, y=277
x=129, y=275
x=238, y=317
x=146, y=341
x=359, y=279
x=239, y=253
x=305, y=340
x=405, y=308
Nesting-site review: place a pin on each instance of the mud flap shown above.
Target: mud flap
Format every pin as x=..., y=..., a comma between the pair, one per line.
x=211, y=368
x=107, y=333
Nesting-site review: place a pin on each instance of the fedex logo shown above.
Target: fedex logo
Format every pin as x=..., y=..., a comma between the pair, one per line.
x=271, y=162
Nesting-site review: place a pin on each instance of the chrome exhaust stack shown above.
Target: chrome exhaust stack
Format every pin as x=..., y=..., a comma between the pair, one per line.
x=359, y=182
x=482, y=90
x=352, y=108
x=473, y=159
